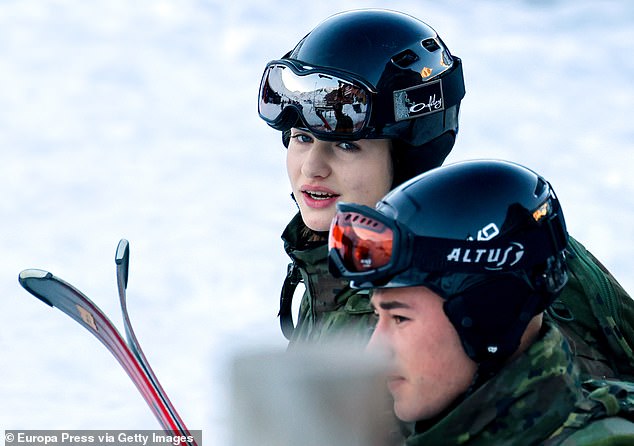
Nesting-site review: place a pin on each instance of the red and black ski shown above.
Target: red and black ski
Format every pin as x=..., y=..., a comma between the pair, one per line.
x=57, y=293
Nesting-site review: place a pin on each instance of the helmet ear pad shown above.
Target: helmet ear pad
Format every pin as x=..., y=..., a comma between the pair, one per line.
x=491, y=316
x=410, y=161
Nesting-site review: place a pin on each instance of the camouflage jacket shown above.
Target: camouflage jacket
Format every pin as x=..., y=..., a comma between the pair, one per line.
x=594, y=312
x=597, y=317
x=329, y=307
x=537, y=399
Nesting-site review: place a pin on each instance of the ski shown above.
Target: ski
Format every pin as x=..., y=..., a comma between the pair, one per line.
x=55, y=292
x=122, y=260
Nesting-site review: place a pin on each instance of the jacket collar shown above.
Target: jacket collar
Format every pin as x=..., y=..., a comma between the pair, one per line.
x=311, y=258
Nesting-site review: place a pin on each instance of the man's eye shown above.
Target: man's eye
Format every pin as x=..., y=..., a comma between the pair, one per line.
x=399, y=319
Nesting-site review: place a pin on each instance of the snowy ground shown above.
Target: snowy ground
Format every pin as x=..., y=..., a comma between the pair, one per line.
x=138, y=120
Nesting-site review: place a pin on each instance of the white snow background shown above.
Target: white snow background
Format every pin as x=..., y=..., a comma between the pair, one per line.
x=139, y=120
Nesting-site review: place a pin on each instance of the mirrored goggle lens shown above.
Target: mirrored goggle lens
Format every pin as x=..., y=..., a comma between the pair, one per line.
x=362, y=243
x=326, y=103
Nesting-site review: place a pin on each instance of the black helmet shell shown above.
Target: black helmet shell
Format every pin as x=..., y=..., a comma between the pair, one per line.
x=487, y=201
x=402, y=58
x=464, y=200
x=364, y=42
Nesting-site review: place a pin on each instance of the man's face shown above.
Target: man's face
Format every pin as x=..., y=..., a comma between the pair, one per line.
x=429, y=366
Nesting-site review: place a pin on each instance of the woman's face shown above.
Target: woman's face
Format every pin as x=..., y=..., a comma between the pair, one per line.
x=325, y=172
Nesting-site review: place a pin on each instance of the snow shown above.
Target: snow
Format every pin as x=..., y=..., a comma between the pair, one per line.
x=138, y=120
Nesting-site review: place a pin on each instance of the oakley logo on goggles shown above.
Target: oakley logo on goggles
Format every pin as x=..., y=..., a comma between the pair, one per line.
x=367, y=247
x=327, y=104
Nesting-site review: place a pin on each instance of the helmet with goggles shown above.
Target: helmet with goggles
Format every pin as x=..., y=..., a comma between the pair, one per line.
x=369, y=74
x=488, y=236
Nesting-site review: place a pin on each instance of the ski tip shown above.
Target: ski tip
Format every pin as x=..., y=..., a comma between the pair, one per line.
x=34, y=274
x=122, y=259
x=123, y=252
x=28, y=276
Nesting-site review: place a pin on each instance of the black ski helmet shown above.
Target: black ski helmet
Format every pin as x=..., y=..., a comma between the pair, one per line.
x=416, y=83
x=488, y=236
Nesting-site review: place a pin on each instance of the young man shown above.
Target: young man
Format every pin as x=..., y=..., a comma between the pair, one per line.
x=460, y=289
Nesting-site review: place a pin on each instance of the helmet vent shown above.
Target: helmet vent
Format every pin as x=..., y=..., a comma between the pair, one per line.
x=430, y=45
x=540, y=187
x=405, y=58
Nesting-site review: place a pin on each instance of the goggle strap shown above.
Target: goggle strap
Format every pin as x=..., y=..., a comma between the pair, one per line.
x=457, y=256
x=455, y=79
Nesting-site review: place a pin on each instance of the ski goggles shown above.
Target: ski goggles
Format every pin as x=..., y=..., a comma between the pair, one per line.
x=370, y=249
x=367, y=247
x=329, y=104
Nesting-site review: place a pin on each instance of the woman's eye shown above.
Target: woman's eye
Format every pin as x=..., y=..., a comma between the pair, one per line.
x=302, y=137
x=348, y=146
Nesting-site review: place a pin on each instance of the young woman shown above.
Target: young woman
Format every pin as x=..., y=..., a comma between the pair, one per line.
x=365, y=101
x=321, y=174
x=394, y=84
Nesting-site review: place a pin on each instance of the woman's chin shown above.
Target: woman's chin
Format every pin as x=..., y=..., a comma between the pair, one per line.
x=318, y=221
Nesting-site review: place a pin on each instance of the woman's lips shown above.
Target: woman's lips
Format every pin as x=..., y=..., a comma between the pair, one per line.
x=318, y=198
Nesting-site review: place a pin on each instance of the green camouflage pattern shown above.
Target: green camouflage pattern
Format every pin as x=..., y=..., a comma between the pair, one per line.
x=536, y=399
x=605, y=417
x=597, y=316
x=607, y=432
x=329, y=308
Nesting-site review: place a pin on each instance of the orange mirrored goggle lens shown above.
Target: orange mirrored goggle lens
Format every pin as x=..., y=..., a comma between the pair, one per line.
x=362, y=243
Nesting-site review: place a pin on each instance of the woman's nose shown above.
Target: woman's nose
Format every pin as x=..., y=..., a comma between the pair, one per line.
x=317, y=161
